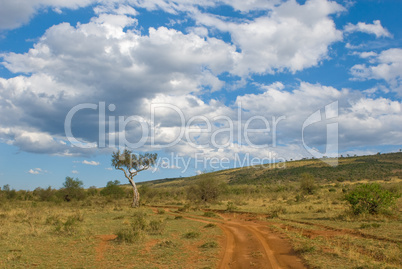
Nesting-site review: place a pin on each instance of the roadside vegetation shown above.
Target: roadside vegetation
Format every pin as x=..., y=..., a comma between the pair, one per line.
x=347, y=216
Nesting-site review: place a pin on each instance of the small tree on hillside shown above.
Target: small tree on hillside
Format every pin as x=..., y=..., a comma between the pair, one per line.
x=131, y=164
x=307, y=183
x=206, y=189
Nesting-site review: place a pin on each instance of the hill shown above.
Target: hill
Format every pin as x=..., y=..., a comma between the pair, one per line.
x=372, y=167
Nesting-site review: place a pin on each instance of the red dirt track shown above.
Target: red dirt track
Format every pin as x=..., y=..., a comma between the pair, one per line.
x=251, y=244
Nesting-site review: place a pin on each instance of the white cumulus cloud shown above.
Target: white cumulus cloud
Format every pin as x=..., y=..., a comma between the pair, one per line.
x=36, y=171
x=376, y=29
x=14, y=13
x=291, y=37
x=386, y=66
x=94, y=163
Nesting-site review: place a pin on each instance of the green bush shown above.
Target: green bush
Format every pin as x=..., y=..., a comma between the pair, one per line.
x=307, y=183
x=113, y=190
x=92, y=191
x=73, y=189
x=156, y=227
x=371, y=198
x=185, y=208
x=47, y=194
x=211, y=244
x=274, y=213
x=129, y=235
x=191, y=235
x=69, y=226
x=8, y=192
x=140, y=221
x=210, y=214
x=206, y=189
x=141, y=226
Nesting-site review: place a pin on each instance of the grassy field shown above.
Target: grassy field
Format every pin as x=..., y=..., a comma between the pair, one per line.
x=75, y=235
x=321, y=228
x=173, y=229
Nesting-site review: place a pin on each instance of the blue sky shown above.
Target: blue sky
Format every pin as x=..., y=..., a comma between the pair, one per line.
x=207, y=85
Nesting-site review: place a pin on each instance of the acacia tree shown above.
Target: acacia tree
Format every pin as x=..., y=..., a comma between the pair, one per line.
x=131, y=164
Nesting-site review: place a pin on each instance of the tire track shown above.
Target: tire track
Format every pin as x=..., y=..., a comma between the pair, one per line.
x=249, y=244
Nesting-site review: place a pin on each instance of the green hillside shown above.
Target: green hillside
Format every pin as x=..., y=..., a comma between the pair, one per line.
x=373, y=167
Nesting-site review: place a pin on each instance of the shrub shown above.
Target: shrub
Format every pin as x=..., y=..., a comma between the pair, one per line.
x=73, y=189
x=8, y=192
x=48, y=194
x=274, y=213
x=140, y=221
x=129, y=235
x=92, y=191
x=307, y=184
x=206, y=189
x=185, y=208
x=156, y=227
x=231, y=207
x=305, y=247
x=113, y=190
x=67, y=227
x=191, y=235
x=210, y=214
x=211, y=244
x=70, y=224
x=371, y=198
x=140, y=227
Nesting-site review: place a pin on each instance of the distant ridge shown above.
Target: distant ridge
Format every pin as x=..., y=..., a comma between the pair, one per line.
x=385, y=167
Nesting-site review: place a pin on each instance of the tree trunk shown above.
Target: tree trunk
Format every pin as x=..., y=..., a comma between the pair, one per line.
x=136, y=195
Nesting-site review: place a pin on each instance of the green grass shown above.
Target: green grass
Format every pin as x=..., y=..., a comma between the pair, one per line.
x=29, y=238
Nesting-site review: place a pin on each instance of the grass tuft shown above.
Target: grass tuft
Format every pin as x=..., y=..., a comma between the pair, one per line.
x=211, y=244
x=191, y=235
x=210, y=225
x=210, y=214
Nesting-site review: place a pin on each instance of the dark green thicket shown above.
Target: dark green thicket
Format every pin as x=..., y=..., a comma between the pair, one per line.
x=371, y=198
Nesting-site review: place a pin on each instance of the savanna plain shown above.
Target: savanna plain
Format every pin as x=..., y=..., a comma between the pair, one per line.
x=298, y=214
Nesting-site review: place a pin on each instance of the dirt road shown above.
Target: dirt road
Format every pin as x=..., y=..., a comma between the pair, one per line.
x=249, y=243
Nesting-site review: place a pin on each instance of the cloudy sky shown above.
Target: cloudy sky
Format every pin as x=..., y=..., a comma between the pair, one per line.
x=205, y=84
